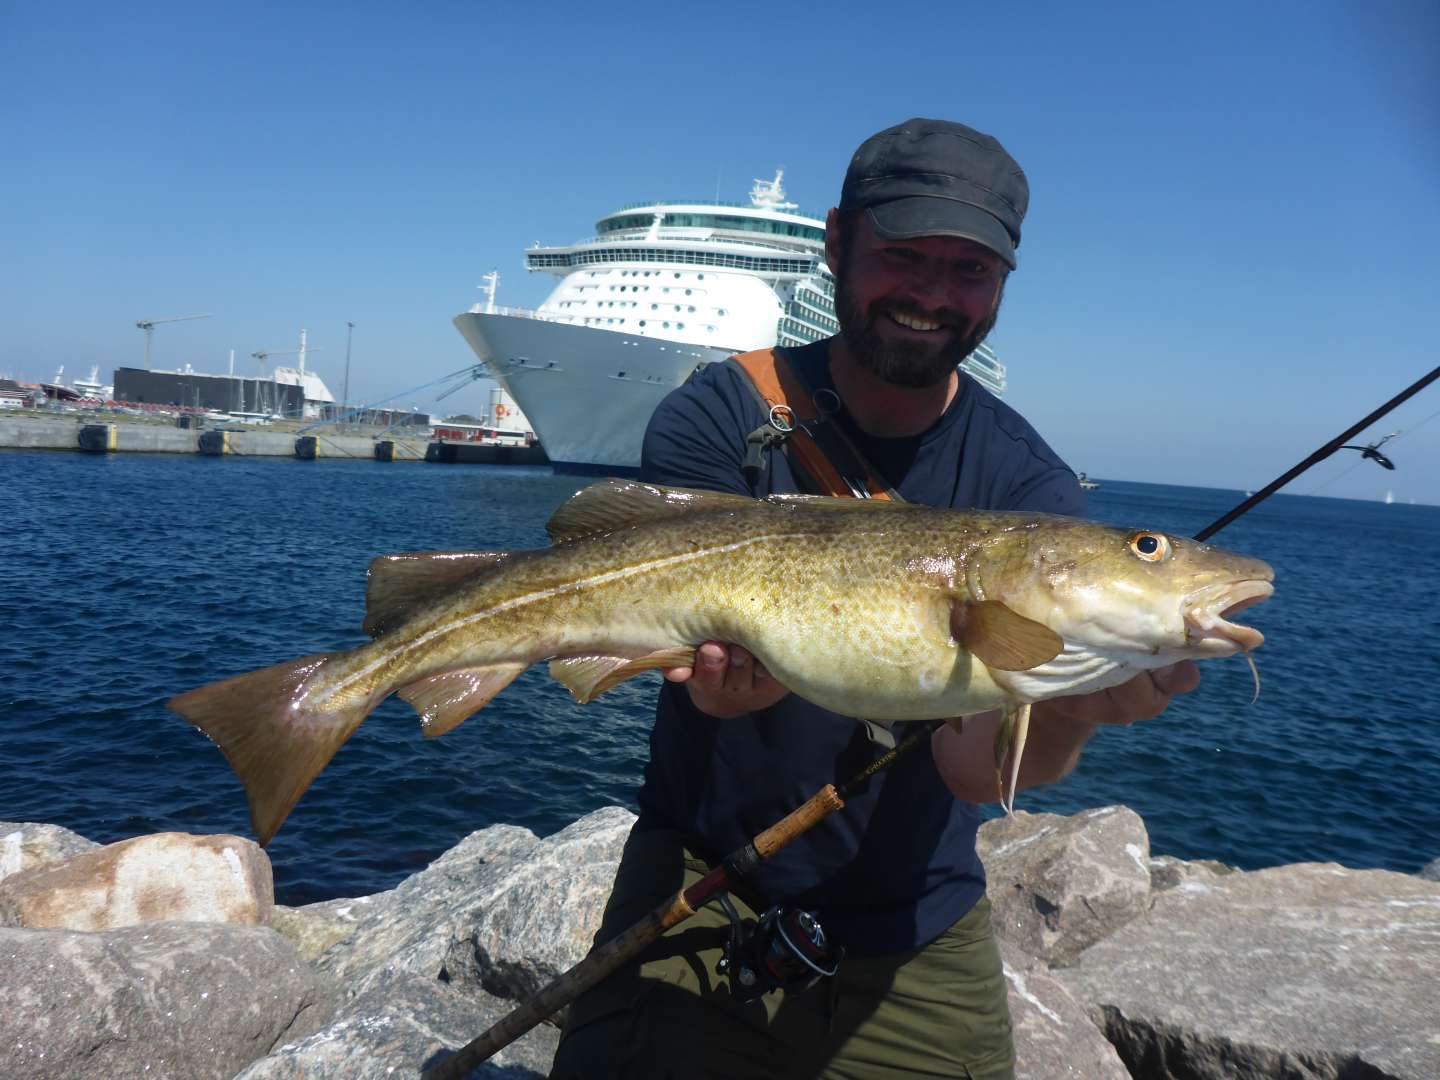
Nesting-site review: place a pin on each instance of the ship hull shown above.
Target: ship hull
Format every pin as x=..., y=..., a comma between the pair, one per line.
x=587, y=392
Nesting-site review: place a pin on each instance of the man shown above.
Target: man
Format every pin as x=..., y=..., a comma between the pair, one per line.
x=921, y=245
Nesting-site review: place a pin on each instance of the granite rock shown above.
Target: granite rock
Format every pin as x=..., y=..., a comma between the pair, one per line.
x=503, y=910
x=163, y=877
x=1055, y=1038
x=1060, y=884
x=410, y=927
x=188, y=1001
x=1167, y=872
x=401, y=1025
x=1307, y=971
x=314, y=928
x=25, y=845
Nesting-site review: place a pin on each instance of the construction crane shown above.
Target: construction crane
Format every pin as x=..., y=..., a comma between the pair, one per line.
x=148, y=325
x=265, y=354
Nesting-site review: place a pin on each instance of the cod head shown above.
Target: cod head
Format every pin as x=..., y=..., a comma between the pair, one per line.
x=1122, y=600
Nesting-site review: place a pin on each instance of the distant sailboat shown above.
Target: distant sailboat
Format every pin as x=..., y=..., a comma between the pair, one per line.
x=1389, y=497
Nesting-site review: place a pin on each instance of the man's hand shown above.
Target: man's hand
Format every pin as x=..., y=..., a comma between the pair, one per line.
x=1144, y=697
x=1059, y=730
x=727, y=681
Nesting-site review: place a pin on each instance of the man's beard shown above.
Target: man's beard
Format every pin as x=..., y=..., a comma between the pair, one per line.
x=917, y=364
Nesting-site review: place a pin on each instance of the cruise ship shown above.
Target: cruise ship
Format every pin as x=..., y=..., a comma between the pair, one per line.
x=661, y=289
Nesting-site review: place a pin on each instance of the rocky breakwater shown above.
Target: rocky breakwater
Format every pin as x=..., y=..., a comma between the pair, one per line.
x=165, y=956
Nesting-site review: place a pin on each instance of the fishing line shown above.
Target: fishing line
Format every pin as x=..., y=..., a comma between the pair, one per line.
x=1319, y=455
x=1397, y=436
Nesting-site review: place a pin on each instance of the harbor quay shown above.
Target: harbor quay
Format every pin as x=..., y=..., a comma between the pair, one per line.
x=94, y=435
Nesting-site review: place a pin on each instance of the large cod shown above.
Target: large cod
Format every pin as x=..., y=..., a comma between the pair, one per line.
x=881, y=610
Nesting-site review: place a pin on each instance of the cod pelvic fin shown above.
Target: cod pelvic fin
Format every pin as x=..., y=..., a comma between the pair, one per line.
x=1010, y=739
x=587, y=677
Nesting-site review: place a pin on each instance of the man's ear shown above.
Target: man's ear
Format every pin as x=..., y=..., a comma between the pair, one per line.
x=834, y=244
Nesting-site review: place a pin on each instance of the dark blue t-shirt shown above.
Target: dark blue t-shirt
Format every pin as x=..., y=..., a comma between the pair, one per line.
x=897, y=866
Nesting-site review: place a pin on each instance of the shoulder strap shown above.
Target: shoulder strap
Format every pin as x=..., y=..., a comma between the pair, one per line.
x=796, y=422
x=817, y=448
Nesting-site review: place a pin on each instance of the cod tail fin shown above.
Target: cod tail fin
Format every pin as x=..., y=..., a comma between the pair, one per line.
x=1010, y=741
x=275, y=745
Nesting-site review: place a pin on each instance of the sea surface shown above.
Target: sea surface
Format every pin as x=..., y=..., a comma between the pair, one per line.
x=129, y=578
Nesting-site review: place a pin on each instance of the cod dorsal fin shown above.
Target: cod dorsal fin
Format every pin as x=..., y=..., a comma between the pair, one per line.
x=613, y=504
x=837, y=502
x=1001, y=638
x=399, y=585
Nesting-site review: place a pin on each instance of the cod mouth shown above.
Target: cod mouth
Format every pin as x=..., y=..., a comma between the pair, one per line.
x=1208, y=611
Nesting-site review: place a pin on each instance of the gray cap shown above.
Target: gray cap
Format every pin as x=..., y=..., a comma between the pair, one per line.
x=937, y=178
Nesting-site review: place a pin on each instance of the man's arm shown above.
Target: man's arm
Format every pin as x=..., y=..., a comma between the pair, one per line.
x=1059, y=730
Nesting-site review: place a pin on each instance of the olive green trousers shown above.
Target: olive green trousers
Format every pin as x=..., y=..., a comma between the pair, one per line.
x=935, y=1011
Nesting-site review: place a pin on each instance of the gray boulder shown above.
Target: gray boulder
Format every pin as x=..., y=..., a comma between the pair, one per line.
x=402, y=1025
x=1168, y=872
x=1055, y=1039
x=1431, y=870
x=502, y=910
x=162, y=877
x=410, y=928
x=1309, y=971
x=25, y=845
x=1060, y=884
x=314, y=928
x=188, y=1001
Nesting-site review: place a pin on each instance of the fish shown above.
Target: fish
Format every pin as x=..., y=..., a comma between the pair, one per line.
x=881, y=610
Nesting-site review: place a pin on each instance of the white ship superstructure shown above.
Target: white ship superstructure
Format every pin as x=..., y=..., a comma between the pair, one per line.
x=661, y=289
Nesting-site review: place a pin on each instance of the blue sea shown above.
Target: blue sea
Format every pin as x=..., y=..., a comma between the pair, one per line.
x=129, y=578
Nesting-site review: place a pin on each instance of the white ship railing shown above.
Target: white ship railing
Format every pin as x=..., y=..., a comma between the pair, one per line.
x=819, y=218
x=520, y=313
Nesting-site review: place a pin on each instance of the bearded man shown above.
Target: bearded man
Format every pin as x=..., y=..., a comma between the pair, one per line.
x=920, y=246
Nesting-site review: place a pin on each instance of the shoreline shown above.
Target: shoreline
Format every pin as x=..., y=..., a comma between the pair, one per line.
x=1118, y=962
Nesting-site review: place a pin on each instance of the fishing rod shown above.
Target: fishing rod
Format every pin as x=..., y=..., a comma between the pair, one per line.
x=1337, y=443
x=618, y=951
x=603, y=961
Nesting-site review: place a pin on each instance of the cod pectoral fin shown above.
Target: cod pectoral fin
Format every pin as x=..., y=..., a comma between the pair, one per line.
x=400, y=585
x=447, y=700
x=1001, y=638
x=587, y=677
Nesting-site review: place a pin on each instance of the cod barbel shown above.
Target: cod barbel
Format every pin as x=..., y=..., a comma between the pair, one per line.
x=881, y=610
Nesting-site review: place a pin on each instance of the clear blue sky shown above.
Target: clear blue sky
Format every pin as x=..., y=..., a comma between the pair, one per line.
x=1231, y=253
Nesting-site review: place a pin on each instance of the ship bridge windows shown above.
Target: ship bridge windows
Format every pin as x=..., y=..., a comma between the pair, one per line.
x=726, y=222
x=761, y=264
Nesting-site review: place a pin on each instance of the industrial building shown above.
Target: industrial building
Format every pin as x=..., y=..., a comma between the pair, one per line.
x=198, y=390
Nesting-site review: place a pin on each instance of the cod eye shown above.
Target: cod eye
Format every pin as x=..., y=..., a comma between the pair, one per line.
x=1152, y=547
